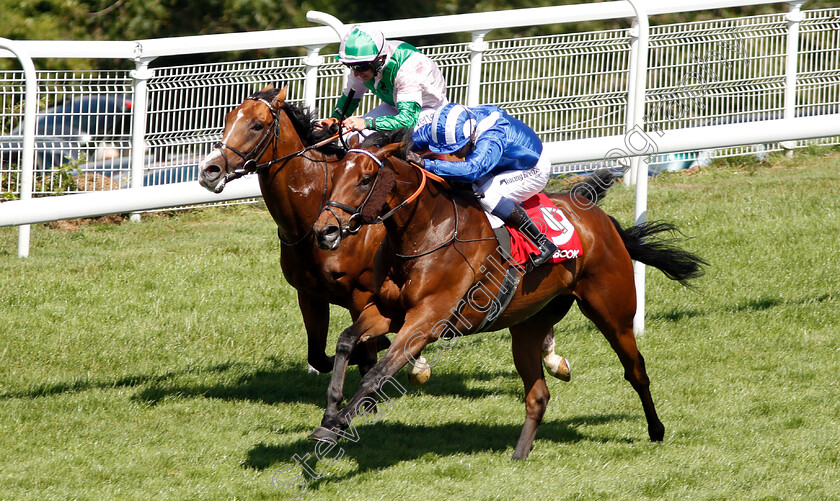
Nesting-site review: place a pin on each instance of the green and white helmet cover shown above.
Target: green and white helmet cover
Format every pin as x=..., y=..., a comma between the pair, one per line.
x=361, y=45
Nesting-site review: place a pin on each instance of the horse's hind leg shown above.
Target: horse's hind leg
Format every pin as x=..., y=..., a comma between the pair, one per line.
x=527, y=351
x=612, y=307
x=555, y=364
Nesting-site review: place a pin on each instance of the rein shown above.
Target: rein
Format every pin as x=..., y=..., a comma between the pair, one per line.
x=250, y=166
x=355, y=223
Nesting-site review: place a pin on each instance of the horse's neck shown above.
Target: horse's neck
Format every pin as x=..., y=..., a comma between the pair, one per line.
x=293, y=191
x=423, y=224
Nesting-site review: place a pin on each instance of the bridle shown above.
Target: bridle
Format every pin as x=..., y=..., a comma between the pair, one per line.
x=250, y=158
x=356, y=221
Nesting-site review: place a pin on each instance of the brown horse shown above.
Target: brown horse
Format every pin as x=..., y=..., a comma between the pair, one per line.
x=435, y=274
x=266, y=135
x=292, y=158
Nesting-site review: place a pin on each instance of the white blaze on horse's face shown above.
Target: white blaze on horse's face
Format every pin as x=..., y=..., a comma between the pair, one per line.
x=239, y=116
x=215, y=180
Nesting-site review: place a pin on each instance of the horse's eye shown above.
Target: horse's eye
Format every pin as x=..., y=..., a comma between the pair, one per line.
x=258, y=126
x=365, y=181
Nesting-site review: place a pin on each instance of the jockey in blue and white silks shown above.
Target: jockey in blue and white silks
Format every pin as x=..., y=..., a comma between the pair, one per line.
x=502, y=158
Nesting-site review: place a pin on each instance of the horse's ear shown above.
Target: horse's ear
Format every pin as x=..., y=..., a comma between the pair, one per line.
x=279, y=98
x=268, y=87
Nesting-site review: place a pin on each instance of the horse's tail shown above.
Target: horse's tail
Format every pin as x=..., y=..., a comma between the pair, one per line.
x=663, y=254
x=594, y=187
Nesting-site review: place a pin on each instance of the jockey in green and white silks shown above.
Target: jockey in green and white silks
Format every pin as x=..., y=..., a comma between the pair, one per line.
x=410, y=84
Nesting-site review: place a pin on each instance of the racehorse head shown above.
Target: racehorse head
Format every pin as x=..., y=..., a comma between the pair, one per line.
x=361, y=188
x=265, y=132
x=250, y=130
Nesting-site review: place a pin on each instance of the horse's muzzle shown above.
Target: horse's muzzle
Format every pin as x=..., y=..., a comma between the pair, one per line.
x=210, y=176
x=328, y=237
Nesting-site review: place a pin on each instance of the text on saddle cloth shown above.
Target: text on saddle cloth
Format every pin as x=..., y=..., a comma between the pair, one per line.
x=554, y=224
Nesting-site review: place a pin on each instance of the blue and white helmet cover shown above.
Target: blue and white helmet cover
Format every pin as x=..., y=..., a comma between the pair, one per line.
x=451, y=128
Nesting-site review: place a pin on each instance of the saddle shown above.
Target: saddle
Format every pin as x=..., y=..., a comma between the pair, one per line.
x=551, y=220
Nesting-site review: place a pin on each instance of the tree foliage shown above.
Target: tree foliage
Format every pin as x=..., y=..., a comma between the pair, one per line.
x=140, y=19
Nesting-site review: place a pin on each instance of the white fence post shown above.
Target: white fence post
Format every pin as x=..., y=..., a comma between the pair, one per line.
x=641, y=175
x=794, y=18
x=630, y=117
x=477, y=48
x=29, y=111
x=312, y=61
x=139, y=108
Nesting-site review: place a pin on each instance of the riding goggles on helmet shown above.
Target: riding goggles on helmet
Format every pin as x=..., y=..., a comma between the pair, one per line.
x=361, y=67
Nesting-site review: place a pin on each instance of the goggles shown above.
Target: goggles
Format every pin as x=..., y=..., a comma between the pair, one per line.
x=361, y=67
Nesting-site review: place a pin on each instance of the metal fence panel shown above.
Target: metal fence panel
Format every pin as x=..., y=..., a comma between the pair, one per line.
x=566, y=86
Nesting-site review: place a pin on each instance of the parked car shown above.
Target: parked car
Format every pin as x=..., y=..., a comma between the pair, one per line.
x=82, y=127
x=177, y=169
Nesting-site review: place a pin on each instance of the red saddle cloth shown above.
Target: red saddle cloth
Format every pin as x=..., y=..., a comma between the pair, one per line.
x=556, y=226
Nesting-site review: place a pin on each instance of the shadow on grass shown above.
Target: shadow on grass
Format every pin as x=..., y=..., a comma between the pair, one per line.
x=285, y=385
x=382, y=445
x=83, y=384
x=270, y=381
x=675, y=315
x=765, y=302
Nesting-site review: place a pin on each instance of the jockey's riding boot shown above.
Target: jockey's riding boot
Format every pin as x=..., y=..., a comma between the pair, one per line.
x=519, y=218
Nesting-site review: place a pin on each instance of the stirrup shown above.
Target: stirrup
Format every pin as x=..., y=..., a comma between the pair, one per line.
x=547, y=248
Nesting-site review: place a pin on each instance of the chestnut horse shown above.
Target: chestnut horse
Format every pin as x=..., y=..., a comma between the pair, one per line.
x=279, y=141
x=434, y=272
x=266, y=135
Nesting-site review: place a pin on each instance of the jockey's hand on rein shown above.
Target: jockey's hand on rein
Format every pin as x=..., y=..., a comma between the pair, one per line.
x=415, y=159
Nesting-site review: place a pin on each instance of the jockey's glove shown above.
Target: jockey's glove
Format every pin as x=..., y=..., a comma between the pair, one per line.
x=415, y=159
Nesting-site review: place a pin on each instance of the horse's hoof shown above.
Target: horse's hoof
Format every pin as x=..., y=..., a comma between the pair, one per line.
x=312, y=370
x=656, y=432
x=418, y=374
x=557, y=366
x=322, y=434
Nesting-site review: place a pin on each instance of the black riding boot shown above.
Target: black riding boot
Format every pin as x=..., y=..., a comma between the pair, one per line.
x=519, y=218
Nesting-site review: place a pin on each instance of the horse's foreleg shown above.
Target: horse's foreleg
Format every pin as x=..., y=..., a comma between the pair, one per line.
x=372, y=340
x=370, y=321
x=316, y=319
x=406, y=347
x=612, y=307
x=527, y=348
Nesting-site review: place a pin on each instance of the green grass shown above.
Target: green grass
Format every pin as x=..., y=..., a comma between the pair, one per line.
x=166, y=360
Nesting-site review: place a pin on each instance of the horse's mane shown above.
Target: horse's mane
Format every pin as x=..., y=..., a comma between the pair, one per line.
x=383, y=137
x=304, y=119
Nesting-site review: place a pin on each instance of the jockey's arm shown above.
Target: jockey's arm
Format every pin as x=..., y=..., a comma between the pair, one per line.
x=407, y=114
x=342, y=102
x=483, y=159
x=356, y=88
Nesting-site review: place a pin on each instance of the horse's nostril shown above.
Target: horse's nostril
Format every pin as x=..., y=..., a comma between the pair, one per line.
x=331, y=232
x=212, y=170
